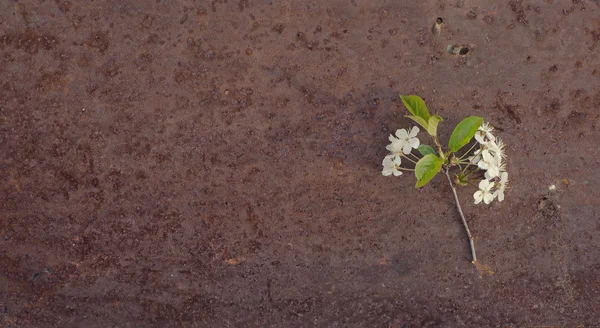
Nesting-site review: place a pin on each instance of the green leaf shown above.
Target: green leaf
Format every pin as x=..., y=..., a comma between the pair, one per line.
x=426, y=150
x=416, y=106
x=432, y=125
x=464, y=132
x=426, y=168
x=419, y=120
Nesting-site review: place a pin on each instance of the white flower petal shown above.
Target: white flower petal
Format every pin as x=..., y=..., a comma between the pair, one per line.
x=500, y=195
x=484, y=184
x=478, y=196
x=414, y=131
x=397, y=173
x=402, y=133
x=386, y=171
x=407, y=148
x=490, y=174
x=498, y=158
x=488, y=197
x=492, y=171
x=414, y=142
x=398, y=144
x=486, y=156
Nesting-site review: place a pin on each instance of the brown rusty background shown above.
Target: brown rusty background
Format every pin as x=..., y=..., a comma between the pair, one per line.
x=217, y=164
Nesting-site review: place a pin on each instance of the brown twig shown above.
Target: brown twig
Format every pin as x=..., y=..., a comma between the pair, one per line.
x=462, y=216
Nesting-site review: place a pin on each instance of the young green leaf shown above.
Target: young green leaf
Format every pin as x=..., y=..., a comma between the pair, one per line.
x=426, y=150
x=416, y=106
x=464, y=132
x=432, y=125
x=426, y=168
x=419, y=120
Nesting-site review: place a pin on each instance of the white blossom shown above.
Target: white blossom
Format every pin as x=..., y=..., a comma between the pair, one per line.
x=501, y=168
x=501, y=186
x=391, y=165
x=497, y=148
x=484, y=131
x=395, y=148
x=406, y=140
x=489, y=163
x=484, y=193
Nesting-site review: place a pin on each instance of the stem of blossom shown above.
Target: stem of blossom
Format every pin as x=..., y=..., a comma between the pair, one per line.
x=468, y=151
x=405, y=169
x=408, y=158
x=466, y=176
x=415, y=156
x=466, y=167
x=462, y=216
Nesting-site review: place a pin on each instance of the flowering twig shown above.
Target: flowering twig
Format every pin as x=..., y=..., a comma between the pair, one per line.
x=488, y=159
x=462, y=216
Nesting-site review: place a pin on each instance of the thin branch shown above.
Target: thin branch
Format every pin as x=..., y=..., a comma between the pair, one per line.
x=462, y=216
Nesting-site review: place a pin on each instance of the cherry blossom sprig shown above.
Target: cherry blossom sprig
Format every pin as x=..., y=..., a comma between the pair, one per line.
x=486, y=163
